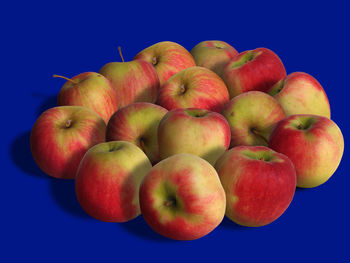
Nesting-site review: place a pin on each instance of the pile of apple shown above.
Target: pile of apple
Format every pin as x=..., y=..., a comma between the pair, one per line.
x=187, y=137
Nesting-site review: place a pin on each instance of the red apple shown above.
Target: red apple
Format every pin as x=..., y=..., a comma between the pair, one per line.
x=196, y=131
x=108, y=181
x=213, y=54
x=91, y=90
x=300, y=93
x=194, y=87
x=61, y=136
x=259, y=184
x=181, y=197
x=137, y=123
x=134, y=81
x=257, y=69
x=315, y=145
x=252, y=116
x=168, y=58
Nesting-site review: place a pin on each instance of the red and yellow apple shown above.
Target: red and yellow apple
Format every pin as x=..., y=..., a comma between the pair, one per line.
x=259, y=184
x=213, y=54
x=91, y=90
x=315, y=145
x=137, y=123
x=182, y=198
x=252, y=116
x=108, y=181
x=168, y=58
x=300, y=93
x=196, y=131
x=61, y=136
x=257, y=69
x=194, y=87
x=134, y=81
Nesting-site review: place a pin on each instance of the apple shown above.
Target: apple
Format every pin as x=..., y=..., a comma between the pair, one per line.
x=194, y=87
x=315, y=145
x=213, y=54
x=181, y=197
x=134, y=81
x=257, y=69
x=61, y=136
x=168, y=58
x=196, y=131
x=252, y=116
x=259, y=184
x=300, y=93
x=91, y=90
x=137, y=123
x=108, y=181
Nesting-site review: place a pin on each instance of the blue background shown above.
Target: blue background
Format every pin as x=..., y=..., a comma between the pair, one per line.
x=41, y=219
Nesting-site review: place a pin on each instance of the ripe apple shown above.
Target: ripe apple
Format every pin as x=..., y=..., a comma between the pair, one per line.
x=108, y=181
x=315, y=145
x=213, y=54
x=91, y=90
x=300, y=93
x=61, y=136
x=257, y=69
x=182, y=198
x=134, y=81
x=252, y=116
x=259, y=184
x=196, y=131
x=137, y=123
x=194, y=87
x=168, y=58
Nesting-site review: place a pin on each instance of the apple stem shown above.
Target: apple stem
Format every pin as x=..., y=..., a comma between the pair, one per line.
x=182, y=89
x=257, y=133
x=168, y=203
x=62, y=77
x=299, y=127
x=120, y=53
x=68, y=123
x=154, y=61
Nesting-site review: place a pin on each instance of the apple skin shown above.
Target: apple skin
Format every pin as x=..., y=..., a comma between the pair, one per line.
x=315, y=145
x=138, y=123
x=252, y=116
x=108, y=181
x=168, y=58
x=213, y=54
x=181, y=197
x=134, y=81
x=61, y=136
x=257, y=69
x=259, y=184
x=195, y=131
x=93, y=91
x=300, y=93
x=194, y=87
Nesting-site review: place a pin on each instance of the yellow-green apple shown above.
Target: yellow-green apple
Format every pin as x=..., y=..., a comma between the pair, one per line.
x=213, y=54
x=134, y=81
x=194, y=87
x=259, y=184
x=137, y=123
x=168, y=58
x=314, y=143
x=252, y=116
x=257, y=69
x=300, y=93
x=61, y=136
x=108, y=181
x=196, y=131
x=91, y=90
x=181, y=197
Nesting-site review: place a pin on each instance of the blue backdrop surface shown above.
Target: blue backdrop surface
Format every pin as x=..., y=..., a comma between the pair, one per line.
x=41, y=219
